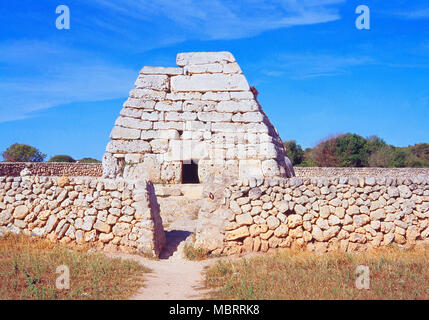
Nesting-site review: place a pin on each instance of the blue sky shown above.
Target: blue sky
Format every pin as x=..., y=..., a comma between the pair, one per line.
x=317, y=74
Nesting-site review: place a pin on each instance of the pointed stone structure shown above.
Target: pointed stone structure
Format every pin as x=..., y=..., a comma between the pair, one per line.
x=192, y=123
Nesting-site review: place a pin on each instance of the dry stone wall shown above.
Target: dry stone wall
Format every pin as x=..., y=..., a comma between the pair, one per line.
x=110, y=214
x=321, y=214
x=204, y=111
x=13, y=169
x=311, y=172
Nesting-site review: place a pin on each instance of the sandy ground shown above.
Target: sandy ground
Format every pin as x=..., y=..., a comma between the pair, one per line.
x=173, y=277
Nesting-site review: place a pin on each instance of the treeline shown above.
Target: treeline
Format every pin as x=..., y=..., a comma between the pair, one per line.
x=19, y=152
x=352, y=150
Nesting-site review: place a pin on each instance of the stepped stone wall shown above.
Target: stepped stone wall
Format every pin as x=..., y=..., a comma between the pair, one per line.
x=321, y=214
x=110, y=214
x=203, y=111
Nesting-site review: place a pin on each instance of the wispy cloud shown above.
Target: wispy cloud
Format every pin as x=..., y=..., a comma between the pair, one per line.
x=53, y=75
x=311, y=65
x=216, y=19
x=414, y=14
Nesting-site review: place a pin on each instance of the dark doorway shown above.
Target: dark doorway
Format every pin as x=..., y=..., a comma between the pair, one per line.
x=190, y=172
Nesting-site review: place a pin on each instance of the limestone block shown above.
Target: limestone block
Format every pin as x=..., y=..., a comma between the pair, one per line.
x=270, y=168
x=228, y=127
x=147, y=94
x=209, y=82
x=159, y=145
x=231, y=68
x=124, y=133
x=139, y=104
x=248, y=117
x=189, y=58
x=244, y=219
x=237, y=106
x=187, y=150
x=161, y=70
x=150, y=116
x=160, y=134
x=168, y=106
x=155, y=82
x=237, y=233
x=171, y=172
x=214, y=116
x=168, y=125
x=256, y=128
x=20, y=212
x=266, y=151
x=242, y=95
x=203, y=68
x=250, y=169
x=196, y=106
x=183, y=96
x=198, y=126
x=149, y=168
x=133, y=123
x=216, y=96
x=131, y=112
x=183, y=116
x=133, y=158
x=128, y=147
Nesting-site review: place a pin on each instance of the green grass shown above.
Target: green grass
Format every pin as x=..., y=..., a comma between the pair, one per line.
x=394, y=274
x=28, y=271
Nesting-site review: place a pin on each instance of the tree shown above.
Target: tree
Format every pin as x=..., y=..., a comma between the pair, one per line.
x=23, y=153
x=294, y=152
x=352, y=150
x=324, y=153
x=88, y=160
x=62, y=158
x=382, y=157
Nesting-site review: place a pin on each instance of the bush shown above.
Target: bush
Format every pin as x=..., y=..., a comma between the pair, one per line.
x=88, y=160
x=294, y=152
x=62, y=158
x=23, y=153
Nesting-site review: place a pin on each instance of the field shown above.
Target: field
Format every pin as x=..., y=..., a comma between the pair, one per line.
x=28, y=271
x=394, y=273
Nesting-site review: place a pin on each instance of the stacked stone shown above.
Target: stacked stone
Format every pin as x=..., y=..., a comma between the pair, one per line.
x=109, y=214
x=202, y=111
x=312, y=172
x=322, y=214
x=13, y=169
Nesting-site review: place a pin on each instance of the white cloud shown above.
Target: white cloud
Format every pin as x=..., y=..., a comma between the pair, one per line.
x=216, y=19
x=53, y=75
x=422, y=13
x=310, y=65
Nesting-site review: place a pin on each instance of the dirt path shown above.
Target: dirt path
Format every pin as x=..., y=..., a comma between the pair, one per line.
x=172, y=277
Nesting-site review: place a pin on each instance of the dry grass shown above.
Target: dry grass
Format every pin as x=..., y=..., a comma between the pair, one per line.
x=192, y=253
x=28, y=271
x=394, y=274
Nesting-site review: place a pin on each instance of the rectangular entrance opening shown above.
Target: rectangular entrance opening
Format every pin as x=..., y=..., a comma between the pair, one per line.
x=190, y=172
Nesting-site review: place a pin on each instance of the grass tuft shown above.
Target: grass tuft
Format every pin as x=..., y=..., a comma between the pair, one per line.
x=394, y=274
x=28, y=271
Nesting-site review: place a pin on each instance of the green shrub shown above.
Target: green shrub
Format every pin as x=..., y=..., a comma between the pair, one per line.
x=23, y=153
x=62, y=158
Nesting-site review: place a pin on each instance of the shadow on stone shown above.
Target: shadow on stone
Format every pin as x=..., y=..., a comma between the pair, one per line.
x=174, y=238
